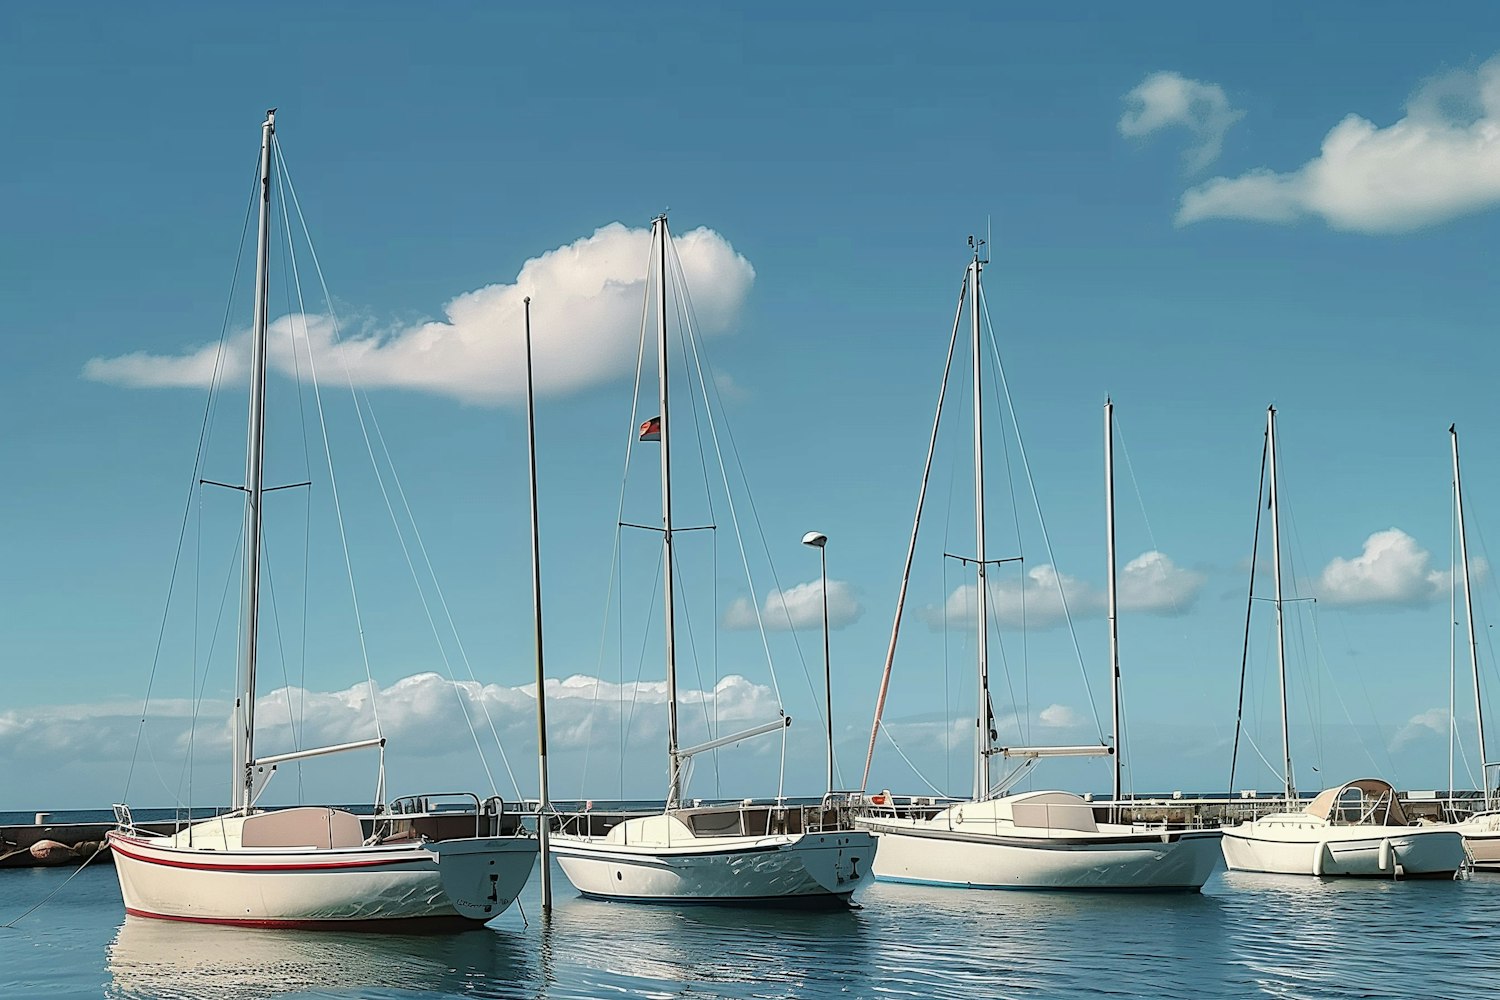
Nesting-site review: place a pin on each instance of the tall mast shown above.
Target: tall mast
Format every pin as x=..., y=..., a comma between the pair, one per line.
x=674, y=761
x=1463, y=548
x=255, y=455
x=981, y=604
x=1114, y=624
x=1286, y=740
x=543, y=807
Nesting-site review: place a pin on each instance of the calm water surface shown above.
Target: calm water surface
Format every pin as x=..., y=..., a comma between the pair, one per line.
x=1245, y=936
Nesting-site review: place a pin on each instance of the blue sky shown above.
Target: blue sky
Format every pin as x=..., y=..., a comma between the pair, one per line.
x=1183, y=215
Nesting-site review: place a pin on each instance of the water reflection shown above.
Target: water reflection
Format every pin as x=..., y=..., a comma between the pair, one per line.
x=181, y=961
x=1245, y=936
x=654, y=950
x=1315, y=939
x=1012, y=944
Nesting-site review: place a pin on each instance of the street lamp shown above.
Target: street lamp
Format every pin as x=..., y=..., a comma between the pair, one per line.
x=819, y=541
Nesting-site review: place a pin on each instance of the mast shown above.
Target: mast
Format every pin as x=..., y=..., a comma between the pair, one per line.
x=1463, y=548
x=1286, y=742
x=1114, y=624
x=543, y=803
x=255, y=453
x=981, y=604
x=674, y=760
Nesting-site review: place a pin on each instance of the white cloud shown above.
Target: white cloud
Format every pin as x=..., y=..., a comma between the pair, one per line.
x=1059, y=717
x=1439, y=162
x=421, y=715
x=1421, y=725
x=1167, y=100
x=1154, y=584
x=1151, y=583
x=585, y=309
x=797, y=607
x=1391, y=570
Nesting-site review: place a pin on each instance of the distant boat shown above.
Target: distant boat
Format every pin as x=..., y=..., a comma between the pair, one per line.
x=1356, y=829
x=1481, y=831
x=1032, y=840
x=762, y=853
x=313, y=866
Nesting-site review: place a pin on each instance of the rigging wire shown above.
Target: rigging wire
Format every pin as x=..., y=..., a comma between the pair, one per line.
x=615, y=569
x=1036, y=502
x=688, y=323
x=911, y=549
x=203, y=433
x=327, y=449
x=1239, y=710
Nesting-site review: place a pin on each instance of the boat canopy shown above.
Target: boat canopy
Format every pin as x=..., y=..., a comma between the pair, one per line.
x=1376, y=803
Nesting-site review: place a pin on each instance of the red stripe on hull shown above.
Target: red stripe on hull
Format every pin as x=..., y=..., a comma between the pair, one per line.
x=229, y=867
x=439, y=922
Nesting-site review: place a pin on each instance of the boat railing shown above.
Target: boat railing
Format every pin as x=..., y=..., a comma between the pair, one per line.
x=122, y=817
x=436, y=812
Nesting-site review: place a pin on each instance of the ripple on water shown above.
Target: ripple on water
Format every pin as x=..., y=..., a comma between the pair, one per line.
x=1245, y=936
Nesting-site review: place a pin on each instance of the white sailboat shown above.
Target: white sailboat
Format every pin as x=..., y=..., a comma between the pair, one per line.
x=771, y=853
x=1481, y=831
x=1356, y=829
x=313, y=866
x=1033, y=840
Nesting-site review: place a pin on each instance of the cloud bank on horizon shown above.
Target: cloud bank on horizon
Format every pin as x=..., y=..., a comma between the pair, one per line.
x=422, y=715
x=1438, y=162
x=586, y=315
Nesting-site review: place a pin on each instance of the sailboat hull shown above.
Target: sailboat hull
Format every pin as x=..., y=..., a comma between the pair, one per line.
x=1481, y=835
x=1313, y=848
x=313, y=887
x=812, y=869
x=930, y=852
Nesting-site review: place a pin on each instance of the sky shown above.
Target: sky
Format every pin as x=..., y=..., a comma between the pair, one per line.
x=1196, y=213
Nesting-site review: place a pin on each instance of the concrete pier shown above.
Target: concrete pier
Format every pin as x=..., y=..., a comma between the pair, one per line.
x=41, y=844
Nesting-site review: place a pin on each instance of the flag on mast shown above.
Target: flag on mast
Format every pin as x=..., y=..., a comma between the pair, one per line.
x=651, y=430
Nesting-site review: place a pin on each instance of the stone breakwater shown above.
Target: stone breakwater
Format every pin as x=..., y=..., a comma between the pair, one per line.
x=40, y=844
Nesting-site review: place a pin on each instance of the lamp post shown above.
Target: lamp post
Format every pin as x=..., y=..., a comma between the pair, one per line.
x=819, y=541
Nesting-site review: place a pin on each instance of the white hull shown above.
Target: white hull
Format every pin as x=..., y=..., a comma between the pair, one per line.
x=806, y=868
x=1343, y=851
x=934, y=852
x=296, y=887
x=1481, y=835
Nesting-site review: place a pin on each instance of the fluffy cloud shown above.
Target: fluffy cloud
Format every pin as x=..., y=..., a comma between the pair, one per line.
x=1423, y=724
x=1391, y=570
x=797, y=607
x=1439, y=162
x=1059, y=717
x=1151, y=583
x=586, y=315
x=421, y=715
x=1171, y=100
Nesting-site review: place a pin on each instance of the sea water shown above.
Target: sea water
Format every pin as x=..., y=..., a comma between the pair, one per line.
x=1244, y=936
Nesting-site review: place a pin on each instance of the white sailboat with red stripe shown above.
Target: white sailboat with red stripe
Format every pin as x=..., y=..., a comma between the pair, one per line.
x=434, y=857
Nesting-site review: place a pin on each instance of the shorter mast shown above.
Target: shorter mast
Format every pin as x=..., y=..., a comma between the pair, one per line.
x=1114, y=624
x=674, y=758
x=1463, y=548
x=1286, y=739
x=544, y=805
x=982, y=743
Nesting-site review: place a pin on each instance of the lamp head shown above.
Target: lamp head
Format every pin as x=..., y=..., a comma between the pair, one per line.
x=815, y=538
